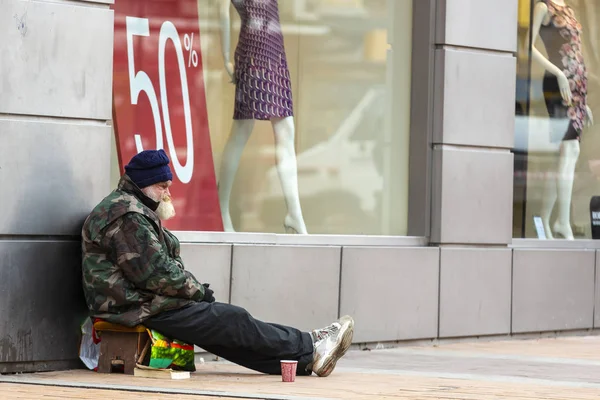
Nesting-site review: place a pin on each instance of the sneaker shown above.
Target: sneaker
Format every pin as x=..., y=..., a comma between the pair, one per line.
x=331, y=343
x=318, y=335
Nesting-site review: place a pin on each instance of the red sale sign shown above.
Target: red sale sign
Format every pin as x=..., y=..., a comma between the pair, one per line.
x=160, y=103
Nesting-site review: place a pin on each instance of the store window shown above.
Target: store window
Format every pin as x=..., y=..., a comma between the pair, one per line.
x=557, y=144
x=307, y=128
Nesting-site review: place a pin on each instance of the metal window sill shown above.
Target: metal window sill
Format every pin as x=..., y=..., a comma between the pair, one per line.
x=299, y=240
x=556, y=244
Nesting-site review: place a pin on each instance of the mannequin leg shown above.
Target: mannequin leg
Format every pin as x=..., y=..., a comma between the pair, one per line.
x=240, y=133
x=569, y=153
x=548, y=202
x=288, y=172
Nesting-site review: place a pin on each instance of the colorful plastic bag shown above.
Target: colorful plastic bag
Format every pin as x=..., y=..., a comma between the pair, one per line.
x=167, y=353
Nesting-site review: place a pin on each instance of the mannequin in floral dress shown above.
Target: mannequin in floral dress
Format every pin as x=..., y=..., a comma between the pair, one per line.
x=565, y=92
x=263, y=92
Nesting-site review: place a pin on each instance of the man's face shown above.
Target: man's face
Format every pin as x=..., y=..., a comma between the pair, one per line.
x=160, y=193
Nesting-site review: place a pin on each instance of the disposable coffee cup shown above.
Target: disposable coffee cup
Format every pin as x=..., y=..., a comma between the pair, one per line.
x=288, y=370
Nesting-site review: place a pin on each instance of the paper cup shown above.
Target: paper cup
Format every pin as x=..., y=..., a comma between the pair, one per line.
x=288, y=370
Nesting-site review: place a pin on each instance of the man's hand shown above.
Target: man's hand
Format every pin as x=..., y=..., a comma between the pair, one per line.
x=208, y=294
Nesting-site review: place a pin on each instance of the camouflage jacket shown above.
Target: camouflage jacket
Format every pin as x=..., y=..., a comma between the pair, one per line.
x=131, y=264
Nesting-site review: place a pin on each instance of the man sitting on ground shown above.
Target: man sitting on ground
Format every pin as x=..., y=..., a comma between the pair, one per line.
x=133, y=274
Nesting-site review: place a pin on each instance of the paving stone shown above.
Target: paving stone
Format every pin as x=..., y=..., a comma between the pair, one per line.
x=561, y=368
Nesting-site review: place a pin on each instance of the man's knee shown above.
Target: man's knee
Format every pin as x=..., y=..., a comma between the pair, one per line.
x=225, y=310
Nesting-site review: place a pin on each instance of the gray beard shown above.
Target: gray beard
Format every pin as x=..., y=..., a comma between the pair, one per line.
x=165, y=210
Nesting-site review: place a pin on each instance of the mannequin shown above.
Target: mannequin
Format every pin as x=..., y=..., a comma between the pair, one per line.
x=263, y=92
x=565, y=92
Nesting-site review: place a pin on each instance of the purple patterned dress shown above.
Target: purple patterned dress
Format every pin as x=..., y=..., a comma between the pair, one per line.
x=263, y=88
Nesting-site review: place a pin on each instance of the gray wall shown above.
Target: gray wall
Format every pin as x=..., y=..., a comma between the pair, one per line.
x=473, y=132
x=55, y=104
x=406, y=293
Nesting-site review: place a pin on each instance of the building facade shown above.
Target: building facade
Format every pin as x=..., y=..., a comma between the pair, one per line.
x=425, y=160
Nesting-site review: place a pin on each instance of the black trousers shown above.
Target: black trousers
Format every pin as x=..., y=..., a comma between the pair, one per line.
x=232, y=333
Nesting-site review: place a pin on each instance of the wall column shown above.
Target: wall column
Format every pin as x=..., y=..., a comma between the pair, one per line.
x=55, y=137
x=472, y=193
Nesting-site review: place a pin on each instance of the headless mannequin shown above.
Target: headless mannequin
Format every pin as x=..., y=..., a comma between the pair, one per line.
x=560, y=186
x=240, y=133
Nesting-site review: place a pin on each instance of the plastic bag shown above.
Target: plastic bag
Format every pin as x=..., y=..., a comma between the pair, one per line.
x=89, y=349
x=167, y=353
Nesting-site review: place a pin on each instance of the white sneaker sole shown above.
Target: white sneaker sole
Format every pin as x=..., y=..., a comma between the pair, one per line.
x=346, y=340
x=324, y=366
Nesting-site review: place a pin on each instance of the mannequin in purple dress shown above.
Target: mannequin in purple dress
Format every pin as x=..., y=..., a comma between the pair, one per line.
x=263, y=92
x=565, y=92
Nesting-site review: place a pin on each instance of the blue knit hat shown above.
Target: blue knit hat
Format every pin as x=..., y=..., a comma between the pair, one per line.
x=149, y=167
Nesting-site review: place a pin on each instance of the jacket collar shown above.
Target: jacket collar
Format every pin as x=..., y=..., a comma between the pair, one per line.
x=127, y=185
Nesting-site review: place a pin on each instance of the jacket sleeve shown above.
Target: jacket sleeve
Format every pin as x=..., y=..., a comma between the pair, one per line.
x=137, y=251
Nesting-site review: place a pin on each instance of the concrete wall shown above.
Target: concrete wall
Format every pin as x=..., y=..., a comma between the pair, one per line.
x=407, y=293
x=473, y=132
x=553, y=290
x=55, y=104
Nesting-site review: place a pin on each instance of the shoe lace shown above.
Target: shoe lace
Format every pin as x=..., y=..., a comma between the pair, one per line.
x=324, y=333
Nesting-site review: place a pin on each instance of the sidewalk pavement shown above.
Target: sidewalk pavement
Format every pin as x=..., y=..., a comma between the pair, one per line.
x=561, y=368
